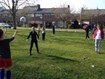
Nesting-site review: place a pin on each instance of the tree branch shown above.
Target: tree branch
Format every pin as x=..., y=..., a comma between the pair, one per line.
x=22, y=3
x=5, y=4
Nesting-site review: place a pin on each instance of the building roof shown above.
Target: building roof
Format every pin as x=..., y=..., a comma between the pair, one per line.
x=93, y=11
x=37, y=9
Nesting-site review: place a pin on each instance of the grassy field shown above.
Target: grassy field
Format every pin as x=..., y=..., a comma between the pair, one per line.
x=65, y=55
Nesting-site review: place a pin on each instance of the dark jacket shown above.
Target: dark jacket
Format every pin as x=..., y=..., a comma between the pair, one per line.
x=33, y=35
x=5, y=48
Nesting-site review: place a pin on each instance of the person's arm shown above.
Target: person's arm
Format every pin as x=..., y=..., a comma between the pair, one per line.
x=13, y=36
x=29, y=35
x=14, y=33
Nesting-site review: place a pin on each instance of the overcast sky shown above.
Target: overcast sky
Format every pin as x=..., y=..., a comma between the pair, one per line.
x=76, y=4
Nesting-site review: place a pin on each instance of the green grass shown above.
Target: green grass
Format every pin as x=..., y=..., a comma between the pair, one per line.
x=65, y=55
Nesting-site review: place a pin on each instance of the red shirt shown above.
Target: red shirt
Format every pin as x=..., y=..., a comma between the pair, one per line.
x=102, y=33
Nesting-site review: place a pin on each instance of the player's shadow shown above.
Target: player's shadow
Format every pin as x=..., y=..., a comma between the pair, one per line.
x=58, y=58
x=22, y=35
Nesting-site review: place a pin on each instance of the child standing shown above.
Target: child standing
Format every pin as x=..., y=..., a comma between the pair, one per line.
x=98, y=36
x=34, y=37
x=5, y=55
x=39, y=30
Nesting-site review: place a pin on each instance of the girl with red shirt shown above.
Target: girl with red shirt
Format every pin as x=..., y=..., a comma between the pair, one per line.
x=98, y=36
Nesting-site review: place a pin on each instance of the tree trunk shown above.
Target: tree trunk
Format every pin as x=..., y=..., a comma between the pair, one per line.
x=14, y=14
x=14, y=20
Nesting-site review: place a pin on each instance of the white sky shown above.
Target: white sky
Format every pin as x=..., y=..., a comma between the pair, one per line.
x=75, y=4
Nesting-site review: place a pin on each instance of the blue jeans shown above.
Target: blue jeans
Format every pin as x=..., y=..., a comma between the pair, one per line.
x=97, y=45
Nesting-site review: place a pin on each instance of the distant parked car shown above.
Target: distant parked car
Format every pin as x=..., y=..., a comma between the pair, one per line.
x=5, y=25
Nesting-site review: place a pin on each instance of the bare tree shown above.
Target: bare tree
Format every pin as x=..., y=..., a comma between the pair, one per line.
x=87, y=14
x=13, y=6
x=62, y=12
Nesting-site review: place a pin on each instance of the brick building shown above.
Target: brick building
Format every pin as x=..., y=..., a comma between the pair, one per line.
x=36, y=14
x=93, y=15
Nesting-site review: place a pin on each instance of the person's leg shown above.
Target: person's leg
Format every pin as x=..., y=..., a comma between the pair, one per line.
x=53, y=31
x=88, y=34
x=36, y=44
x=99, y=45
x=96, y=45
x=31, y=46
x=44, y=36
x=1, y=73
x=8, y=73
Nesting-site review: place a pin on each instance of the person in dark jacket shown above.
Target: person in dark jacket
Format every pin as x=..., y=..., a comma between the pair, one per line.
x=5, y=55
x=43, y=33
x=87, y=31
x=53, y=27
x=34, y=37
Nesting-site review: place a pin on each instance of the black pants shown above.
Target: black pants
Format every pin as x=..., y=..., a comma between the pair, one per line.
x=43, y=36
x=53, y=30
x=36, y=44
x=87, y=34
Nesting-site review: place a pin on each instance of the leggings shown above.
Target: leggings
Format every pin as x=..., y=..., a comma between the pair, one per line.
x=43, y=36
x=87, y=34
x=36, y=44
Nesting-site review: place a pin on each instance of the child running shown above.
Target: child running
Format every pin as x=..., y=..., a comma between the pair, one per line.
x=5, y=55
